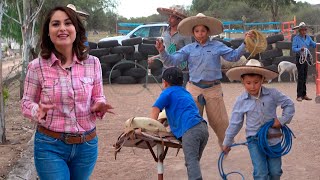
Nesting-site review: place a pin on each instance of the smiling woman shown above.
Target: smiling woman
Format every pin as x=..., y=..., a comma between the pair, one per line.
x=64, y=96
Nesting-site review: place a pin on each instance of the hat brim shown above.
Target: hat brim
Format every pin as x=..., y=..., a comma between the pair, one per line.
x=234, y=74
x=81, y=13
x=186, y=25
x=168, y=12
x=300, y=27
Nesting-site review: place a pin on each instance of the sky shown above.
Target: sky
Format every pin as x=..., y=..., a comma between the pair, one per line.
x=143, y=8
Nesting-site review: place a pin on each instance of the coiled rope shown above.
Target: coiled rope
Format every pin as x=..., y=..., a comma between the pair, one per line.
x=304, y=57
x=270, y=151
x=256, y=43
x=275, y=151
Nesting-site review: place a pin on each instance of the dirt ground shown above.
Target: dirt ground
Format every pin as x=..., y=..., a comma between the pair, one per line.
x=137, y=164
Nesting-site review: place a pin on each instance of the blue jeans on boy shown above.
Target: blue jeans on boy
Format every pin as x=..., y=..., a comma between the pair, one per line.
x=193, y=143
x=55, y=160
x=264, y=168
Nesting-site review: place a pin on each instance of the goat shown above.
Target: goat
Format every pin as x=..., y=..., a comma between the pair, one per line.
x=285, y=66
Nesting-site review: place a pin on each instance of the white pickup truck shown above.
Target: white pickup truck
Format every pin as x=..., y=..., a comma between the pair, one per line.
x=144, y=31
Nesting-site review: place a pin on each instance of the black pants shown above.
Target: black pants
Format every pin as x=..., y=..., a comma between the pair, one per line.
x=302, y=77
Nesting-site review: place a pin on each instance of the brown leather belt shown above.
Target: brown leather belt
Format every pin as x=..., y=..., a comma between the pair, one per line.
x=67, y=137
x=270, y=136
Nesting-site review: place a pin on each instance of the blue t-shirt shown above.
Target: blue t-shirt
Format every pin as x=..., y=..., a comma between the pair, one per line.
x=182, y=112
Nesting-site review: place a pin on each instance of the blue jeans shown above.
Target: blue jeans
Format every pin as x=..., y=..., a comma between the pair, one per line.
x=55, y=160
x=264, y=168
x=193, y=143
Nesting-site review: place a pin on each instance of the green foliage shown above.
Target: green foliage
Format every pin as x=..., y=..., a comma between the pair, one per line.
x=5, y=92
x=11, y=29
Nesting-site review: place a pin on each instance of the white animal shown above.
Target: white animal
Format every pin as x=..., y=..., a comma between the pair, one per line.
x=285, y=66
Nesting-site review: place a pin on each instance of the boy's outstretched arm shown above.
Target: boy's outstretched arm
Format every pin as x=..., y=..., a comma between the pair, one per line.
x=155, y=113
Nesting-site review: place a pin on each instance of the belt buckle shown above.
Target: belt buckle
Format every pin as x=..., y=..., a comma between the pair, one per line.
x=66, y=137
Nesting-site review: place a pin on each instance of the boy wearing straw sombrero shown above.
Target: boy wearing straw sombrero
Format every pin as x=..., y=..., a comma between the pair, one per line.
x=172, y=39
x=258, y=105
x=300, y=44
x=184, y=119
x=203, y=58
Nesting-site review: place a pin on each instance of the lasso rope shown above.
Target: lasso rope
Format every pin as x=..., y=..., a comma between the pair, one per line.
x=270, y=151
x=256, y=44
x=304, y=57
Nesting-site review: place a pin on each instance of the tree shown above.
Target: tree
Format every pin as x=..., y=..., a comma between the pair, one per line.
x=2, y=118
x=273, y=5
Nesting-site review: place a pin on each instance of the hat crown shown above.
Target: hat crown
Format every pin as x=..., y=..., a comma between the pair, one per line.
x=200, y=15
x=71, y=6
x=302, y=24
x=178, y=8
x=254, y=62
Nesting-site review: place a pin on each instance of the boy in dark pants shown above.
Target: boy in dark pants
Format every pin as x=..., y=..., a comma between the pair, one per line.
x=184, y=119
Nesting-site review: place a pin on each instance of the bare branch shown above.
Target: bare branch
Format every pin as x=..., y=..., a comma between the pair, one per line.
x=12, y=18
x=38, y=9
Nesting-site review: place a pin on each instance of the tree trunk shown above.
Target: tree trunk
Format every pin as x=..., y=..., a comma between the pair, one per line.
x=2, y=117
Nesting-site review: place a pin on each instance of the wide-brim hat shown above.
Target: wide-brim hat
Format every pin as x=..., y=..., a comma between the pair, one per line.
x=185, y=27
x=81, y=13
x=253, y=66
x=176, y=10
x=302, y=25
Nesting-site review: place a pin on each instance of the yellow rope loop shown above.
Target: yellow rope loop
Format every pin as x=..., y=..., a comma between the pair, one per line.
x=256, y=44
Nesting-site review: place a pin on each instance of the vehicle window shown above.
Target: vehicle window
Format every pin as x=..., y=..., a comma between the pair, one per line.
x=156, y=31
x=142, y=32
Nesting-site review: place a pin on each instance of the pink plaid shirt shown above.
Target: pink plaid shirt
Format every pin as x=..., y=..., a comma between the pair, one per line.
x=72, y=92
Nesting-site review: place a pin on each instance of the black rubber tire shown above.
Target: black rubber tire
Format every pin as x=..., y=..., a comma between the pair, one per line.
x=247, y=54
x=271, y=54
x=269, y=47
x=227, y=43
x=236, y=42
x=149, y=40
x=143, y=63
x=267, y=62
x=131, y=41
x=156, y=72
x=111, y=58
x=122, y=50
x=93, y=45
x=125, y=80
x=114, y=74
x=136, y=56
x=277, y=60
x=99, y=52
x=275, y=38
x=148, y=49
x=124, y=65
x=108, y=44
x=272, y=67
x=135, y=72
x=284, y=45
x=156, y=65
x=104, y=68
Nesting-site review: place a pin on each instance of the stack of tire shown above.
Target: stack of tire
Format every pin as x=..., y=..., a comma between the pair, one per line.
x=123, y=64
x=273, y=54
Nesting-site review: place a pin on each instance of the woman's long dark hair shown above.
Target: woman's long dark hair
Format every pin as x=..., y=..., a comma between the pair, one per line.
x=78, y=47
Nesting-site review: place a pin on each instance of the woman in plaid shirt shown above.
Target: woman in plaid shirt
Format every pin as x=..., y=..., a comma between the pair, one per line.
x=63, y=94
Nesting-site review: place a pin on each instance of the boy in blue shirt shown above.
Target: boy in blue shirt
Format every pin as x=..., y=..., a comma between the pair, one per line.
x=184, y=119
x=258, y=105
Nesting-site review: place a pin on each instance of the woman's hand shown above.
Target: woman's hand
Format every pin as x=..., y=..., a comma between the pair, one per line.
x=101, y=108
x=159, y=45
x=43, y=109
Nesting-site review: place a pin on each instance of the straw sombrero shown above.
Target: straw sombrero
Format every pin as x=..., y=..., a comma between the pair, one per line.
x=186, y=25
x=302, y=25
x=176, y=10
x=81, y=13
x=253, y=66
